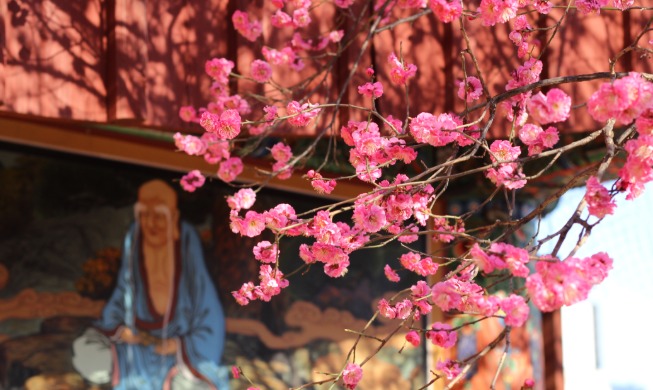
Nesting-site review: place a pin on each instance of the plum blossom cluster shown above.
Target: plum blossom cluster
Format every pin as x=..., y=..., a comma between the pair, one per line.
x=556, y=283
x=520, y=35
x=371, y=151
x=492, y=12
x=457, y=294
x=538, y=139
x=449, y=368
x=623, y=99
x=271, y=283
x=441, y=130
x=222, y=122
x=598, y=198
x=441, y=335
x=501, y=256
x=319, y=184
x=463, y=295
x=555, y=106
x=399, y=207
x=281, y=153
x=508, y=173
x=249, y=29
x=373, y=90
x=213, y=149
x=638, y=169
x=587, y=7
x=301, y=114
x=526, y=74
x=627, y=100
x=446, y=10
x=444, y=230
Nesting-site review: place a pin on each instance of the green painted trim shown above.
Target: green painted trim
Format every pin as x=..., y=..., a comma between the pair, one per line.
x=134, y=131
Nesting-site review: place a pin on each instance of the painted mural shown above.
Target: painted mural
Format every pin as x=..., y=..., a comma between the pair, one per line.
x=83, y=245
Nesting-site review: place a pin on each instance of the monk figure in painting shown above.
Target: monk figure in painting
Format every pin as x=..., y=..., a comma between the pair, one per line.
x=163, y=327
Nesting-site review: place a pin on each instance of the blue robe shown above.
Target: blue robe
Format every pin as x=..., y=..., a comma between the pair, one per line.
x=196, y=318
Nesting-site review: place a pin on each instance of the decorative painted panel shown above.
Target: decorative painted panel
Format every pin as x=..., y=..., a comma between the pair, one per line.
x=64, y=221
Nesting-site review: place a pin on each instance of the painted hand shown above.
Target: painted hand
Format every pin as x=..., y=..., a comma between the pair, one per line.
x=167, y=347
x=129, y=337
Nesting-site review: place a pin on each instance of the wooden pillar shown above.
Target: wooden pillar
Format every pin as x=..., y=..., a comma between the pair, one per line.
x=552, y=340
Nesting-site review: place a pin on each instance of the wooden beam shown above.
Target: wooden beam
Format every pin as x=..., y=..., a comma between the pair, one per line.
x=88, y=140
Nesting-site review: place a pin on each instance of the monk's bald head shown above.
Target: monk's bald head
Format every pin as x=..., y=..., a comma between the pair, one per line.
x=157, y=213
x=158, y=190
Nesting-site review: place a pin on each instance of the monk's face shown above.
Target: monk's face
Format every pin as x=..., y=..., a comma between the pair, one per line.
x=157, y=213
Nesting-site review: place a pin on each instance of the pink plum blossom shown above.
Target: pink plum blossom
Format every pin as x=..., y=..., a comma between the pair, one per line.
x=637, y=170
x=516, y=310
x=497, y=11
x=337, y=35
x=243, y=199
x=644, y=122
x=400, y=72
x=250, y=30
x=442, y=335
x=404, y=308
x=266, y=252
x=225, y=125
x=281, y=152
x=542, y=6
x=553, y=107
x=301, y=114
x=587, y=7
x=520, y=35
x=343, y=3
x=386, y=310
x=373, y=90
x=599, y=201
x=623, y=99
x=413, y=338
x=503, y=151
x=261, y=71
x=192, y=180
x=187, y=113
x=230, y=168
x=190, y=144
x=390, y=274
x=320, y=185
x=251, y=225
x=449, y=368
x=470, y=89
x=623, y=4
x=216, y=149
x=219, y=69
x=436, y=131
x=351, y=375
x=537, y=139
x=336, y=270
x=301, y=18
x=556, y=283
x=285, y=56
x=369, y=217
x=270, y=113
x=446, y=10
x=281, y=19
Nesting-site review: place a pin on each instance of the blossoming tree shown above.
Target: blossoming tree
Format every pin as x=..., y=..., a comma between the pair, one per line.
x=507, y=134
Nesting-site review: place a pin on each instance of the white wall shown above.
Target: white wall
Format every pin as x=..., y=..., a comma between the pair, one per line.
x=608, y=339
